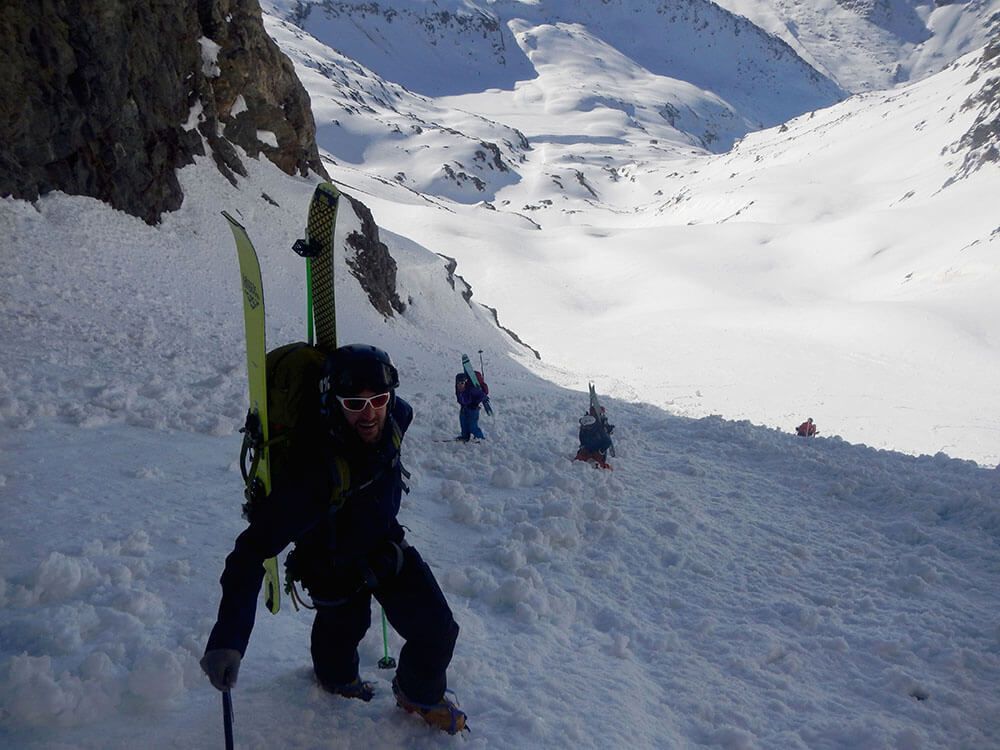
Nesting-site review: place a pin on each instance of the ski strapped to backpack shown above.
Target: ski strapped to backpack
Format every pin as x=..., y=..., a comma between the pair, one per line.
x=479, y=382
x=317, y=248
x=294, y=423
x=292, y=376
x=256, y=428
x=597, y=412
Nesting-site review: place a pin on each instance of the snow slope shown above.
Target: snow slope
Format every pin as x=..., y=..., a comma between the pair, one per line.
x=727, y=585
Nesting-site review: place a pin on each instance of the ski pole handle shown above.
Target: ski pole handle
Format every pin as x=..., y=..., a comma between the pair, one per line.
x=227, y=718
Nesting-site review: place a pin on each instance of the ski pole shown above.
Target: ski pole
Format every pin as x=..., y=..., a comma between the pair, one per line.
x=227, y=718
x=482, y=367
x=386, y=662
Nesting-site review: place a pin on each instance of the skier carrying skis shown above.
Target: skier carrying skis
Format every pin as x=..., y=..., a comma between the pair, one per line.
x=595, y=438
x=349, y=546
x=807, y=429
x=470, y=398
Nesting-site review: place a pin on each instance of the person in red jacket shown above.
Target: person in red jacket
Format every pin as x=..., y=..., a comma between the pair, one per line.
x=806, y=429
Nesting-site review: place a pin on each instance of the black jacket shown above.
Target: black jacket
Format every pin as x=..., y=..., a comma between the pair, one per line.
x=331, y=543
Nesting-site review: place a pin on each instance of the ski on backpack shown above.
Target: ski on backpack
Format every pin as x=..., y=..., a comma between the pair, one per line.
x=255, y=450
x=474, y=377
x=317, y=249
x=597, y=412
x=321, y=309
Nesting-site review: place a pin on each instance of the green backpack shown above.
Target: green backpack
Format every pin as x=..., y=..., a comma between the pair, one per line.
x=293, y=373
x=293, y=416
x=294, y=424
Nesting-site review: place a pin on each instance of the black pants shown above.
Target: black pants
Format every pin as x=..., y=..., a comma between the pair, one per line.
x=416, y=609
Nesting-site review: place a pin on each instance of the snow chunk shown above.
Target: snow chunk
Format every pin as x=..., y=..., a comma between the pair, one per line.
x=31, y=694
x=209, y=57
x=239, y=106
x=504, y=478
x=194, y=116
x=137, y=544
x=59, y=577
x=268, y=137
x=158, y=676
x=464, y=507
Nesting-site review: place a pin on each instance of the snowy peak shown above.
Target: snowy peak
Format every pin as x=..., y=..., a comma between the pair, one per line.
x=875, y=44
x=436, y=49
x=898, y=17
x=459, y=47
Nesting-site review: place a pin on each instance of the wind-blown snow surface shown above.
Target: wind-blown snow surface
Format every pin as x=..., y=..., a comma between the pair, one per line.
x=727, y=585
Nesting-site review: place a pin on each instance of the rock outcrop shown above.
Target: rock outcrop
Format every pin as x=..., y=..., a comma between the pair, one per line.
x=107, y=98
x=372, y=265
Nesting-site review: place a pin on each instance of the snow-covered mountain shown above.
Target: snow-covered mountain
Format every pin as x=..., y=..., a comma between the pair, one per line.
x=727, y=585
x=874, y=44
x=694, y=49
x=580, y=195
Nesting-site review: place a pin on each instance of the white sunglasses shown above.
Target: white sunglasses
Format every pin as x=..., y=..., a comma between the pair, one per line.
x=359, y=403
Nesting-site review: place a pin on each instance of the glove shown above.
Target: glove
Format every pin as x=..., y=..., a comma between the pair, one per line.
x=222, y=665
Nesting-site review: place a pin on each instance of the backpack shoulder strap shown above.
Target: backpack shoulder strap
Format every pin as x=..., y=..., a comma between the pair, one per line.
x=340, y=490
x=341, y=471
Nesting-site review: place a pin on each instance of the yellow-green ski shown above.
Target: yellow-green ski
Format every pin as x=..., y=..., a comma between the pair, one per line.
x=258, y=474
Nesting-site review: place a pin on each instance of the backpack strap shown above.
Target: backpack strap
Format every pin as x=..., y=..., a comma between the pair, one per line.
x=341, y=471
x=341, y=482
x=397, y=442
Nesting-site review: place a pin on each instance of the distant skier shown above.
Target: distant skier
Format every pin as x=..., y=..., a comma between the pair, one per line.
x=470, y=398
x=595, y=438
x=807, y=429
x=348, y=549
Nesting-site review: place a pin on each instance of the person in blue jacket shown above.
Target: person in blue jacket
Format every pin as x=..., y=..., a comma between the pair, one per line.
x=349, y=546
x=470, y=398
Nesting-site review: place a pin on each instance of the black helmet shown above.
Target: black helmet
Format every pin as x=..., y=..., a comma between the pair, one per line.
x=355, y=367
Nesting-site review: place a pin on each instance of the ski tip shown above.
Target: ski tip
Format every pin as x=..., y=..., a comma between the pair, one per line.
x=328, y=189
x=230, y=219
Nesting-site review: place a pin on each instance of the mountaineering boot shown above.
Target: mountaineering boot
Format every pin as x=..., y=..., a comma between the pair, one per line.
x=357, y=688
x=444, y=715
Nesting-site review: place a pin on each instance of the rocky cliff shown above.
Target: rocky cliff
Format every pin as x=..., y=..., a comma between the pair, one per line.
x=107, y=98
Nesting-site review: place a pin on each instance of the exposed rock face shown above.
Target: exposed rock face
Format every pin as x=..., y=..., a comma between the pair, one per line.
x=107, y=98
x=372, y=265
x=252, y=67
x=981, y=143
x=450, y=266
